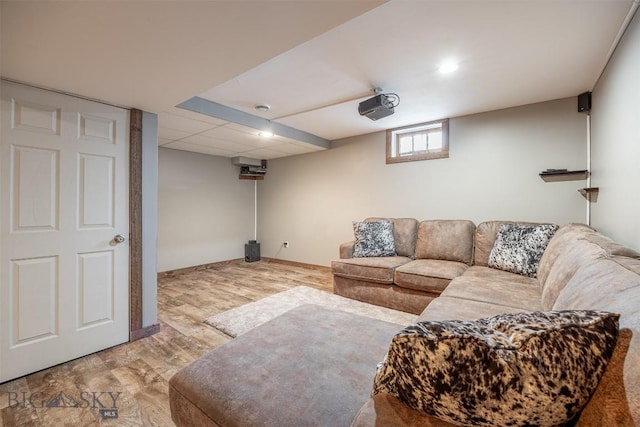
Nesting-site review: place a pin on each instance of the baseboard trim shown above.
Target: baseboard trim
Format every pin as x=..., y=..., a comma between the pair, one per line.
x=221, y=264
x=209, y=266
x=297, y=264
x=147, y=331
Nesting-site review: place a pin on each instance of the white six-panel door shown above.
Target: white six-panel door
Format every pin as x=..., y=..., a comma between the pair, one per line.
x=64, y=276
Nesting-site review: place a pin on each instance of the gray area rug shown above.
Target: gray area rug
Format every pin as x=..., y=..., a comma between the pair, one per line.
x=241, y=319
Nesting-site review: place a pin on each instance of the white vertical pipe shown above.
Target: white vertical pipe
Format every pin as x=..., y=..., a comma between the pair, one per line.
x=588, y=215
x=255, y=210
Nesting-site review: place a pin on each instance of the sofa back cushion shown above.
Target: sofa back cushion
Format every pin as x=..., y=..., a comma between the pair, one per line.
x=405, y=234
x=612, y=284
x=575, y=255
x=561, y=240
x=573, y=246
x=611, y=247
x=450, y=240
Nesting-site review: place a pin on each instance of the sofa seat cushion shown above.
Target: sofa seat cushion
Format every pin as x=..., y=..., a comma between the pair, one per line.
x=499, y=292
x=492, y=274
x=383, y=294
x=373, y=269
x=448, y=308
x=428, y=274
x=309, y=366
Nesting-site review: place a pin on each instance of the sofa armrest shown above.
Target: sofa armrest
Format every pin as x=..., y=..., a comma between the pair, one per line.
x=386, y=410
x=346, y=249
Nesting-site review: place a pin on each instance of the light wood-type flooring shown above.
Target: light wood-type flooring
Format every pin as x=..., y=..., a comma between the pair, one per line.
x=140, y=371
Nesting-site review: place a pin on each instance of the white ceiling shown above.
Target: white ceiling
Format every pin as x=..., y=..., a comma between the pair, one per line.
x=154, y=54
x=312, y=61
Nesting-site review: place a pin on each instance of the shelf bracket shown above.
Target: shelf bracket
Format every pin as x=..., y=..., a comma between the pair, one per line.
x=590, y=193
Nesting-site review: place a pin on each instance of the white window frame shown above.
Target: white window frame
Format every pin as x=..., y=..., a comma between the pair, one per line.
x=393, y=142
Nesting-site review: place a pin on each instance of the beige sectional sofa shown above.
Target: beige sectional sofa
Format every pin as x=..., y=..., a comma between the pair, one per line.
x=429, y=255
x=314, y=366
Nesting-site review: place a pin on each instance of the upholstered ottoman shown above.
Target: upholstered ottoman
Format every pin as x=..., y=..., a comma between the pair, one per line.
x=311, y=366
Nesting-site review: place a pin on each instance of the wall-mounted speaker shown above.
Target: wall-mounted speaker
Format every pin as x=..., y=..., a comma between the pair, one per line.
x=584, y=102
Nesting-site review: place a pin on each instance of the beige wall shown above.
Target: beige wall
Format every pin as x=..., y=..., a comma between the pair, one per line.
x=205, y=213
x=492, y=173
x=616, y=142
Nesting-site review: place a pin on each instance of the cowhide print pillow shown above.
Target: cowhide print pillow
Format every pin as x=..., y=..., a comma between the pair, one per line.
x=520, y=369
x=373, y=238
x=519, y=247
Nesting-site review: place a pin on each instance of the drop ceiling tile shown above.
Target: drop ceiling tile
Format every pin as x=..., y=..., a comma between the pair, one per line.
x=198, y=149
x=244, y=129
x=289, y=140
x=301, y=144
x=272, y=140
x=228, y=133
x=292, y=149
x=210, y=141
x=195, y=116
x=234, y=130
x=264, y=153
x=172, y=121
x=172, y=134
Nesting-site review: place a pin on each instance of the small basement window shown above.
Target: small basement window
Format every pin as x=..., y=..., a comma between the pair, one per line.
x=418, y=142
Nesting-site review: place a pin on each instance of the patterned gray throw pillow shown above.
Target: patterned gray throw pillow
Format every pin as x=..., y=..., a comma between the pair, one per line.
x=373, y=238
x=519, y=247
x=521, y=369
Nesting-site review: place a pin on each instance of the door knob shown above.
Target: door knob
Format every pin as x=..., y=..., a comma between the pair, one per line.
x=119, y=238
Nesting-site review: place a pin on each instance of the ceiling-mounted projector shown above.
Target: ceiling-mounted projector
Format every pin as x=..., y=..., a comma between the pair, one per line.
x=379, y=106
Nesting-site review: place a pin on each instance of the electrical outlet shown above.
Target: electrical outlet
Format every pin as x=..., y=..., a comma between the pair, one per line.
x=285, y=244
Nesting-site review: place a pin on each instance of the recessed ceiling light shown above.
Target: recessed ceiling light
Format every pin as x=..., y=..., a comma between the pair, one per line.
x=263, y=108
x=265, y=134
x=448, y=67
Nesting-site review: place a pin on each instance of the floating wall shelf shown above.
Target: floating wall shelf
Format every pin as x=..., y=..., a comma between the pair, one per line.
x=253, y=177
x=563, y=175
x=591, y=194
